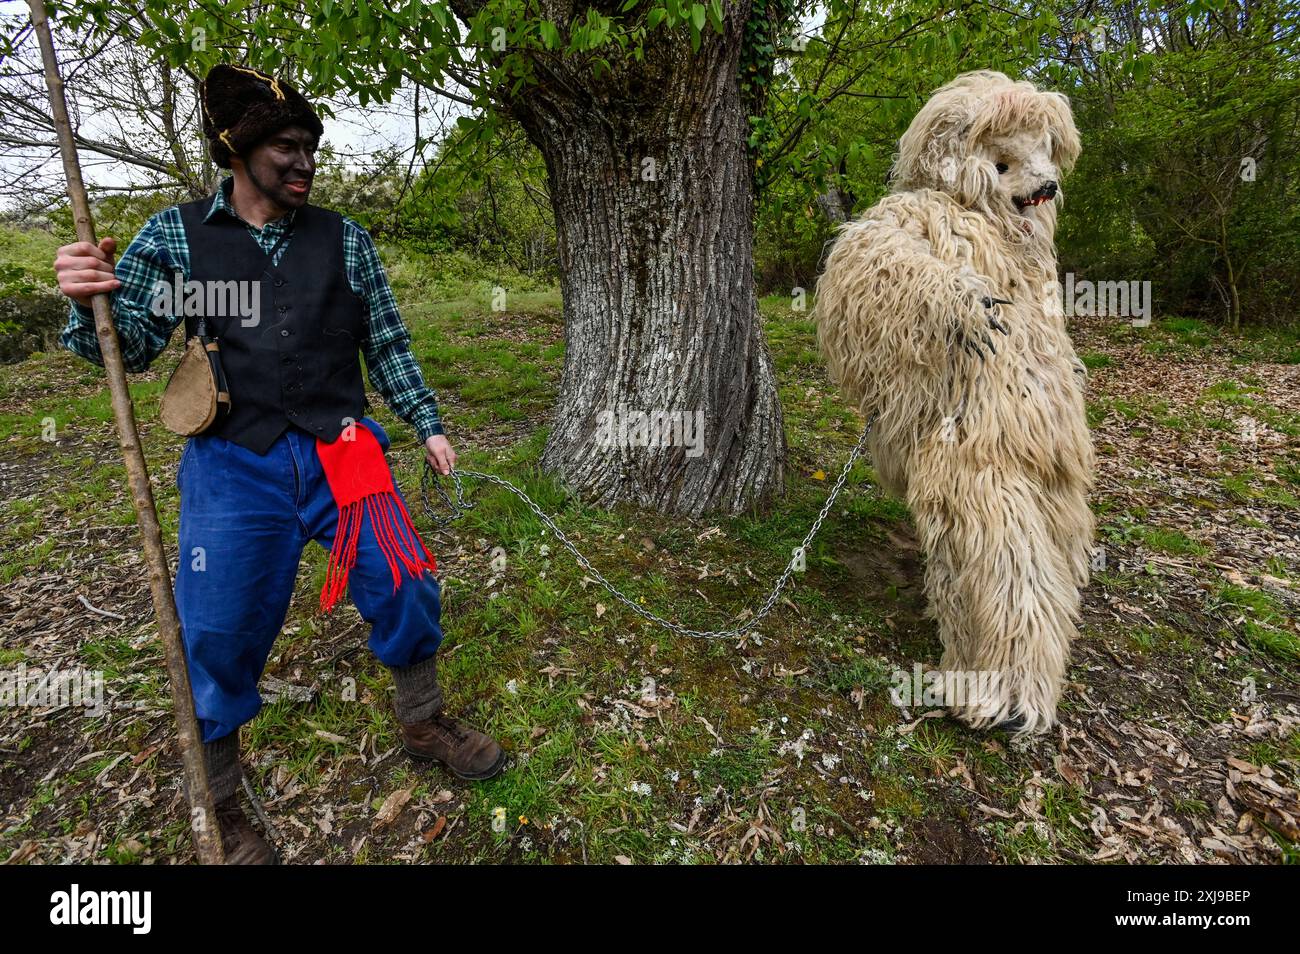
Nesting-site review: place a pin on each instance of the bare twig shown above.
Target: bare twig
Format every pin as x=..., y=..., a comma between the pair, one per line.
x=203, y=821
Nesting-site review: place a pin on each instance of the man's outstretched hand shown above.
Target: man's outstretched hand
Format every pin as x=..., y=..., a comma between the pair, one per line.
x=85, y=270
x=438, y=452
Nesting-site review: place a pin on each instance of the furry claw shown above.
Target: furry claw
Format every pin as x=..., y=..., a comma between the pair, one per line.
x=1012, y=725
x=961, y=340
x=989, y=305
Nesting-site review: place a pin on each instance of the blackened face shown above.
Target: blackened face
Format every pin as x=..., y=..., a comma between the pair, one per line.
x=282, y=166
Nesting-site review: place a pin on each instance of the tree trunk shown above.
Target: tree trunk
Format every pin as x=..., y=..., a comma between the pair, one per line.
x=1225, y=247
x=652, y=189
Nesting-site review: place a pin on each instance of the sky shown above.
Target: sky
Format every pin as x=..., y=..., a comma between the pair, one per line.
x=355, y=133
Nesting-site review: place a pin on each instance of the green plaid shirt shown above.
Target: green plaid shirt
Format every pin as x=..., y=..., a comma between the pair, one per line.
x=160, y=249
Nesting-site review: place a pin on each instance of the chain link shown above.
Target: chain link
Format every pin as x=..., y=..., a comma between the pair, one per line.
x=459, y=506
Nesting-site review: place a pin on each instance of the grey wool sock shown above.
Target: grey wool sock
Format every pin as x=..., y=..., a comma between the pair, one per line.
x=418, y=696
x=221, y=758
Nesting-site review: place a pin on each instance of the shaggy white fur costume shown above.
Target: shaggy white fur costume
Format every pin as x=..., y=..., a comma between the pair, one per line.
x=981, y=424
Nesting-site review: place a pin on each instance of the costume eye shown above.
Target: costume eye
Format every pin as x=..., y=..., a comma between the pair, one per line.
x=1001, y=167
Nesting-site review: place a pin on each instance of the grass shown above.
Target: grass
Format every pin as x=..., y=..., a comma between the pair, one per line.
x=1251, y=484
x=1095, y=360
x=31, y=252
x=620, y=734
x=1128, y=530
x=1261, y=620
x=1183, y=338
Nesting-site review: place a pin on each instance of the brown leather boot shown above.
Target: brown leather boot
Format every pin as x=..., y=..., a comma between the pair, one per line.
x=239, y=840
x=466, y=752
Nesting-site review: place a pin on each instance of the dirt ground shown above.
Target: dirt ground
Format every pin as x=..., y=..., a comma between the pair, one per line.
x=1179, y=738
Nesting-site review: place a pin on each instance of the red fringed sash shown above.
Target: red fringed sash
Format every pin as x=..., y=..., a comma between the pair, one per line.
x=359, y=478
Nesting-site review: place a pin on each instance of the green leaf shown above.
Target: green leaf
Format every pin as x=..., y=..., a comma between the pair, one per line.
x=655, y=18
x=698, y=14
x=550, y=35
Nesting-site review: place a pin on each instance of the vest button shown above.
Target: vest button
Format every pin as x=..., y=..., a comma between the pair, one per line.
x=279, y=282
x=285, y=333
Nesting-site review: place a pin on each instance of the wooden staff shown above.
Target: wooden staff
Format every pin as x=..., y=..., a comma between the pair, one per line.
x=207, y=836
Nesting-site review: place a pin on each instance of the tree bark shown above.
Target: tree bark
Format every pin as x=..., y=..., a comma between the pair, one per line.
x=652, y=188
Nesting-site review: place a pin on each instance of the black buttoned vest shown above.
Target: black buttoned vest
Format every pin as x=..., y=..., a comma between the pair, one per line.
x=299, y=364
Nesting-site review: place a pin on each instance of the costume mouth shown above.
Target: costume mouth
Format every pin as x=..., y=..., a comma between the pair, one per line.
x=1045, y=194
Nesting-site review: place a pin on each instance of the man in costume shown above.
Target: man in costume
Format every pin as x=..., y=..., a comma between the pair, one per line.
x=295, y=459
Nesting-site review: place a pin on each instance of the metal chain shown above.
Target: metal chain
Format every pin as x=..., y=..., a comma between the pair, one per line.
x=459, y=506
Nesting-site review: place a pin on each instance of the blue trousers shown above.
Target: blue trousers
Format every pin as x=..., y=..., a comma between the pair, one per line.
x=245, y=519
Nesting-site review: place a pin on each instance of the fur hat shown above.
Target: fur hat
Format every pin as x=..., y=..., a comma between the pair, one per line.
x=243, y=106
